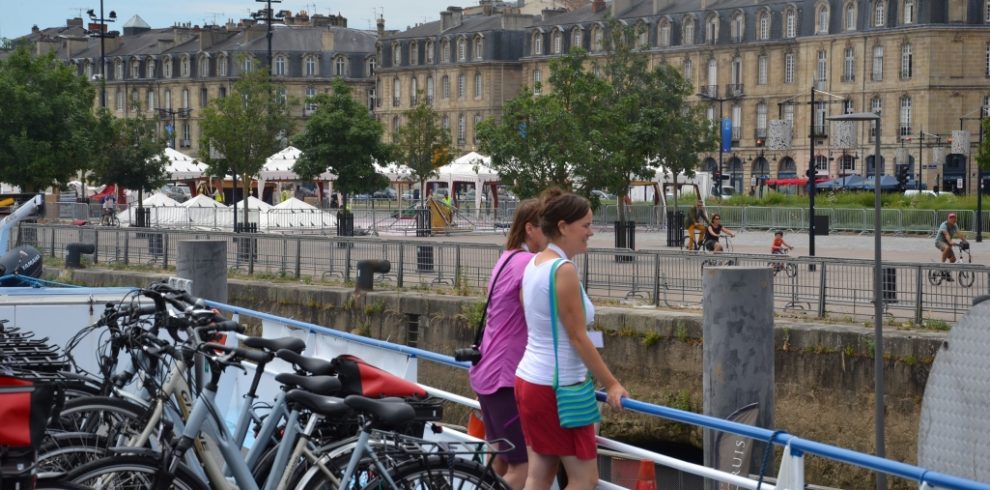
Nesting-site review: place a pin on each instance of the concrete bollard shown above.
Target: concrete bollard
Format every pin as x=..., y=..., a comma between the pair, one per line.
x=204, y=262
x=738, y=360
x=74, y=251
x=366, y=270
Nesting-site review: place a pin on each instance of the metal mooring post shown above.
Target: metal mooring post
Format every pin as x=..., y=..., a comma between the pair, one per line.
x=204, y=262
x=738, y=355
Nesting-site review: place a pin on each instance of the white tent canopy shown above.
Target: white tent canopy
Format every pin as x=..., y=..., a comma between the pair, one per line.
x=394, y=171
x=202, y=201
x=159, y=199
x=180, y=166
x=471, y=167
x=293, y=203
x=253, y=203
x=280, y=166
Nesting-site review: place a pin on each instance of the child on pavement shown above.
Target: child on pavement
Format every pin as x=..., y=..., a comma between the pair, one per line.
x=778, y=243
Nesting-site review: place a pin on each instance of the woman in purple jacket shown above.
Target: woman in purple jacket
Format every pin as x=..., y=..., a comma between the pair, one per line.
x=504, y=341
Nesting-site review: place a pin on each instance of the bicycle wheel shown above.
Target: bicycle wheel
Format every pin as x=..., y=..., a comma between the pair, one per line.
x=57, y=484
x=112, y=418
x=791, y=270
x=132, y=472
x=335, y=457
x=61, y=453
x=441, y=473
x=935, y=277
x=966, y=278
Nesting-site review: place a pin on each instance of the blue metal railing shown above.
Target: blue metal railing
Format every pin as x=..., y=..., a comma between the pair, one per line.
x=798, y=446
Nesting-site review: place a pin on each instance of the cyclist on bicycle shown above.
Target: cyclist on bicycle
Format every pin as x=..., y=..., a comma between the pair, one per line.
x=943, y=239
x=109, y=206
x=713, y=232
x=779, y=246
x=695, y=216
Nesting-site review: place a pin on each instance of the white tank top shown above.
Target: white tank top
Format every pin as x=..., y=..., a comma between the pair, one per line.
x=537, y=362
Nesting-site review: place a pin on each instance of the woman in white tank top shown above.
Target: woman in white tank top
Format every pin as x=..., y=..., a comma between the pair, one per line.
x=566, y=222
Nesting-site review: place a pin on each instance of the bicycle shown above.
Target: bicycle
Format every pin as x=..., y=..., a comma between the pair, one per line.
x=788, y=267
x=716, y=262
x=109, y=218
x=966, y=277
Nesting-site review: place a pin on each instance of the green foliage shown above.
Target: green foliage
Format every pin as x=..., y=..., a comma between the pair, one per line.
x=983, y=153
x=134, y=157
x=422, y=143
x=46, y=120
x=855, y=200
x=936, y=324
x=243, y=129
x=344, y=138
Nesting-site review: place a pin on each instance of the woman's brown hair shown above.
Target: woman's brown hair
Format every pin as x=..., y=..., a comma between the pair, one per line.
x=527, y=211
x=561, y=206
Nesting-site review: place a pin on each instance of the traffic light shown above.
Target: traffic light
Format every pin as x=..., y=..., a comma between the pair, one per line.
x=902, y=175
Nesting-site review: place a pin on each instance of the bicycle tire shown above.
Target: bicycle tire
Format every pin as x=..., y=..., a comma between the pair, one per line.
x=791, y=270
x=935, y=277
x=441, y=472
x=109, y=417
x=137, y=472
x=57, y=484
x=335, y=458
x=61, y=453
x=966, y=278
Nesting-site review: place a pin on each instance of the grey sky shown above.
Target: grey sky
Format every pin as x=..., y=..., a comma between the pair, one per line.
x=18, y=16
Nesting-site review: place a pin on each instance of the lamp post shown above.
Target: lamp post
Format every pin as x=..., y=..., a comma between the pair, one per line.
x=710, y=92
x=979, y=171
x=268, y=23
x=877, y=297
x=101, y=25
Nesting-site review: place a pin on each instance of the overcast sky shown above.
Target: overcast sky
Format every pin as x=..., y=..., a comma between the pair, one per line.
x=17, y=16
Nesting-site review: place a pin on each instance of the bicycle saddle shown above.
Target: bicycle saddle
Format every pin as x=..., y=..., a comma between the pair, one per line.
x=327, y=406
x=274, y=345
x=388, y=414
x=308, y=364
x=320, y=385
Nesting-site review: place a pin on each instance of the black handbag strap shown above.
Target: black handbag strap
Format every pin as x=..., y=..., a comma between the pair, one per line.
x=484, y=311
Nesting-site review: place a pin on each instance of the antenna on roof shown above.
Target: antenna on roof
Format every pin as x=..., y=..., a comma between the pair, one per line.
x=80, y=9
x=214, y=14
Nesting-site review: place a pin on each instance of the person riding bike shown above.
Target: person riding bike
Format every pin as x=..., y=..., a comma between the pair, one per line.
x=109, y=207
x=943, y=239
x=779, y=246
x=713, y=232
x=695, y=216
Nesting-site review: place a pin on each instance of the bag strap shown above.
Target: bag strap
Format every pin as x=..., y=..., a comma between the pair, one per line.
x=480, y=330
x=553, y=320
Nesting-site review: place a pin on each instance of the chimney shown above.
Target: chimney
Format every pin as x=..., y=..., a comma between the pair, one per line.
x=487, y=7
x=597, y=6
x=444, y=21
x=34, y=29
x=381, y=26
x=450, y=18
x=547, y=13
x=74, y=22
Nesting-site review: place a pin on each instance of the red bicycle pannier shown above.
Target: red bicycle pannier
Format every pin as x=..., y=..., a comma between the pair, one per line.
x=360, y=378
x=22, y=426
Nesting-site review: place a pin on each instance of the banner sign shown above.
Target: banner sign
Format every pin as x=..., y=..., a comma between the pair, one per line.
x=726, y=135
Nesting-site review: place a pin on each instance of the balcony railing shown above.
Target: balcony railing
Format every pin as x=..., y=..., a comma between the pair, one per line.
x=849, y=77
x=734, y=90
x=760, y=133
x=736, y=133
x=820, y=131
x=904, y=130
x=396, y=102
x=429, y=100
x=708, y=91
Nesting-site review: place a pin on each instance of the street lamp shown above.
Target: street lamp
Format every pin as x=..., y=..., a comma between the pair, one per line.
x=877, y=298
x=100, y=24
x=268, y=22
x=979, y=171
x=710, y=92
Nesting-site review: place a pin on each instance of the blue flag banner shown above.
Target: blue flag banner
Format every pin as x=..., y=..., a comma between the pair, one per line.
x=726, y=135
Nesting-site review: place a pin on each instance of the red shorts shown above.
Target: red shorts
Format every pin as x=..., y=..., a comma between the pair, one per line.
x=541, y=427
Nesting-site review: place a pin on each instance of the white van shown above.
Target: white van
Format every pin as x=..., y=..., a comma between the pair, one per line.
x=923, y=192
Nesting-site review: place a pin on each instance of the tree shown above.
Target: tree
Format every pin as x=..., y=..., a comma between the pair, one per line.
x=243, y=129
x=344, y=138
x=423, y=144
x=134, y=157
x=983, y=153
x=46, y=120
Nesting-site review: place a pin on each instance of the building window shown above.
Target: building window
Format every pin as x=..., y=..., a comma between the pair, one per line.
x=711, y=30
x=222, y=66
x=149, y=69
x=118, y=70
x=737, y=127
x=663, y=34
x=790, y=23
x=477, y=121
x=185, y=98
x=282, y=96
x=761, y=120
x=877, y=72
x=395, y=126
x=414, y=91
x=223, y=92
x=118, y=100
x=135, y=69
x=340, y=66
x=248, y=64
x=821, y=69
x=396, y=54
x=429, y=90
x=738, y=27
x=849, y=65
x=429, y=52
x=788, y=67
x=712, y=75
x=460, y=86
x=445, y=51
x=905, y=124
x=762, y=68
x=597, y=38
x=764, y=26
x=186, y=139
x=311, y=66
x=907, y=62
x=279, y=67
x=204, y=67
x=152, y=102
x=413, y=53
x=787, y=114
x=688, y=38
x=396, y=92
x=847, y=106
x=445, y=87
x=557, y=42
x=184, y=67
x=577, y=39
x=371, y=98
x=537, y=81
x=537, y=43
x=168, y=99
x=822, y=26
x=689, y=71
x=986, y=106
x=461, y=49
x=477, y=85
x=876, y=106
x=371, y=66
x=204, y=97
x=987, y=69
x=986, y=10
x=461, y=129
x=909, y=11
x=310, y=105
x=879, y=14
x=479, y=48
x=850, y=16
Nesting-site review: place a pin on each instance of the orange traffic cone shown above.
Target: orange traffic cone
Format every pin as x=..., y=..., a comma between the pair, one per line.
x=476, y=428
x=647, y=478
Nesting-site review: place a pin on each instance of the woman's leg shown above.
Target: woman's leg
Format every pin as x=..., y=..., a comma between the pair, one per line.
x=542, y=470
x=582, y=474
